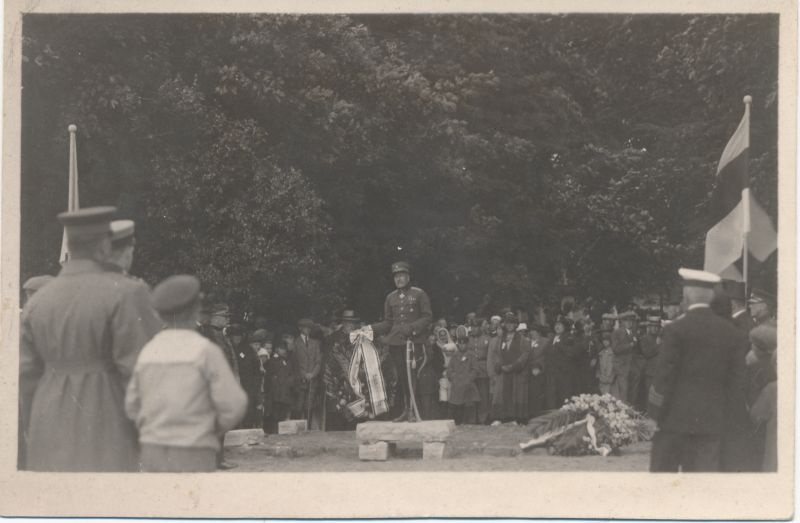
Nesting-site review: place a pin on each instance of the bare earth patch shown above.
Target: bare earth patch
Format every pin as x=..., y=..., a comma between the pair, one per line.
x=474, y=448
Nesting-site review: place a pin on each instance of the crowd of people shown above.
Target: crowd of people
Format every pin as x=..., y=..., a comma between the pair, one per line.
x=152, y=380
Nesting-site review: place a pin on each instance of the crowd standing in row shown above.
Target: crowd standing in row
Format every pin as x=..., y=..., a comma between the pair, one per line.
x=95, y=333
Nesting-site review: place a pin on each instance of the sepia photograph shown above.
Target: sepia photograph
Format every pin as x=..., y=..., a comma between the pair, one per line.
x=371, y=251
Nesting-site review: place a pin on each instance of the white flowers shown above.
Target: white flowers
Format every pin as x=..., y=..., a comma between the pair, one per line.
x=616, y=422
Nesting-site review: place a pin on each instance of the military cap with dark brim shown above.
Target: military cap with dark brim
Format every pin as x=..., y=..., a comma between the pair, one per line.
x=176, y=294
x=695, y=278
x=401, y=266
x=87, y=224
x=36, y=282
x=122, y=231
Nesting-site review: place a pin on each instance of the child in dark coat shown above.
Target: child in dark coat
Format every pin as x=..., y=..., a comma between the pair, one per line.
x=462, y=371
x=280, y=389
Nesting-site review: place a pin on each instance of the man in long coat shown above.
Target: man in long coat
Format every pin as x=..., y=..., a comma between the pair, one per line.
x=699, y=376
x=308, y=358
x=80, y=337
x=623, y=341
x=479, y=345
x=510, y=401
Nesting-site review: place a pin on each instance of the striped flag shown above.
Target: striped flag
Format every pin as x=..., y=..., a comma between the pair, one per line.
x=735, y=212
x=72, y=198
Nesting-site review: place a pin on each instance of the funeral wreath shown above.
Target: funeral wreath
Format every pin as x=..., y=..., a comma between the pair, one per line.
x=589, y=424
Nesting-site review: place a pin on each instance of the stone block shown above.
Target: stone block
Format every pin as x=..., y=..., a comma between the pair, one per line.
x=373, y=451
x=292, y=426
x=434, y=450
x=238, y=438
x=434, y=430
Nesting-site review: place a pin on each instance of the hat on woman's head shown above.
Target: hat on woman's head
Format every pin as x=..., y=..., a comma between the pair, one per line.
x=765, y=337
x=462, y=332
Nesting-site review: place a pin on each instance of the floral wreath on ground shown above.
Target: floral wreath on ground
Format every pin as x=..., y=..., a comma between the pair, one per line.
x=589, y=424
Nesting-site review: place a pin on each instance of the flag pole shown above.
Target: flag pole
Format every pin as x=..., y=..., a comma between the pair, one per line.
x=72, y=191
x=746, y=206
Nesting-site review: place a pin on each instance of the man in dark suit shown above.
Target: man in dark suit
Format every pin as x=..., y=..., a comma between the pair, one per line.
x=698, y=378
x=739, y=313
x=623, y=342
x=307, y=356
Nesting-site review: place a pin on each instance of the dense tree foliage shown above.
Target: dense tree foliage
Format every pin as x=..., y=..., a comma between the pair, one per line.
x=287, y=160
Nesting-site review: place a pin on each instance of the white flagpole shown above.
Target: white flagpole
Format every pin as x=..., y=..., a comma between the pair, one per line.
x=72, y=196
x=746, y=202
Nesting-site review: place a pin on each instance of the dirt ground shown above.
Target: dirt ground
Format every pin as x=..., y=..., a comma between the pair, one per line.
x=472, y=448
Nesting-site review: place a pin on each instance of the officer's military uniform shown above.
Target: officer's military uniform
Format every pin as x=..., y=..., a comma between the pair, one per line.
x=80, y=338
x=406, y=316
x=699, y=377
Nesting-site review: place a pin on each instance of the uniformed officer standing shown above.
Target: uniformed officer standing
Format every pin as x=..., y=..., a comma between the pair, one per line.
x=699, y=376
x=406, y=316
x=80, y=337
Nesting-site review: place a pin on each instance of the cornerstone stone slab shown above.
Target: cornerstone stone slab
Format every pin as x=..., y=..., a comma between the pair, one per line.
x=292, y=426
x=434, y=450
x=237, y=438
x=373, y=451
x=434, y=430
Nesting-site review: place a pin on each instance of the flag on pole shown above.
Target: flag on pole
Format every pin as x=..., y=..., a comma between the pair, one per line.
x=72, y=198
x=738, y=219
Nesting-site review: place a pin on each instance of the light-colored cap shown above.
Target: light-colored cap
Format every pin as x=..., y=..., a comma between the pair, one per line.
x=695, y=278
x=122, y=229
x=522, y=327
x=263, y=352
x=87, y=223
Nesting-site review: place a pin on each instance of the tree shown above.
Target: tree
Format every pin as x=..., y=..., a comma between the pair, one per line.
x=288, y=160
